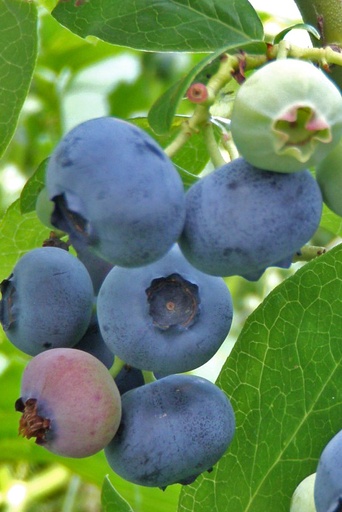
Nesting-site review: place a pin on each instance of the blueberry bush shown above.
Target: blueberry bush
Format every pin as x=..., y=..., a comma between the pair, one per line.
x=170, y=256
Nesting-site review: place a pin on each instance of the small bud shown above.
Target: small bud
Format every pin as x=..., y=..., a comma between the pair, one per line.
x=197, y=93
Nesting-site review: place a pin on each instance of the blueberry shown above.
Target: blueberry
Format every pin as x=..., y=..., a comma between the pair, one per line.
x=69, y=403
x=328, y=482
x=171, y=431
x=47, y=301
x=241, y=220
x=287, y=116
x=92, y=342
x=166, y=317
x=97, y=267
x=116, y=191
x=129, y=378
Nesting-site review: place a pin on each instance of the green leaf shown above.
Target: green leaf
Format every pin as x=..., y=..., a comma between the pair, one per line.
x=18, y=234
x=284, y=378
x=18, y=43
x=331, y=221
x=162, y=112
x=163, y=25
x=60, y=48
x=111, y=499
x=33, y=186
x=298, y=26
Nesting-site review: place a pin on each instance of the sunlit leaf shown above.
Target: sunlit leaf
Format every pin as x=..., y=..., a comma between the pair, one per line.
x=111, y=499
x=33, y=186
x=284, y=378
x=163, y=25
x=18, y=43
x=18, y=234
x=331, y=222
x=298, y=26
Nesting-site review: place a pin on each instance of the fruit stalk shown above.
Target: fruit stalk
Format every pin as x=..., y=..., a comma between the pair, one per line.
x=308, y=253
x=213, y=149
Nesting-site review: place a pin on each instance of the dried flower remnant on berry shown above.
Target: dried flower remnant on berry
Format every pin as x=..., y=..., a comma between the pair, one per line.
x=31, y=424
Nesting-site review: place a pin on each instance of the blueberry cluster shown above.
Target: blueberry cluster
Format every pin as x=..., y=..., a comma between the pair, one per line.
x=146, y=288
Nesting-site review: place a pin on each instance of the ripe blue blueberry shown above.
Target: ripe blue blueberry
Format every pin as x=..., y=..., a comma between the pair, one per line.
x=92, y=342
x=166, y=317
x=241, y=220
x=129, y=378
x=47, y=301
x=171, y=431
x=116, y=191
x=328, y=482
x=97, y=267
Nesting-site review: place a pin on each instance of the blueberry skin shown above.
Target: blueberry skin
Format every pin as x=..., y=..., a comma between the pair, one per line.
x=115, y=189
x=97, y=267
x=77, y=395
x=129, y=378
x=171, y=431
x=131, y=332
x=328, y=482
x=92, y=342
x=241, y=220
x=47, y=301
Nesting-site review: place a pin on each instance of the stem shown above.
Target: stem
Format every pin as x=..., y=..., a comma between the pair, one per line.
x=148, y=376
x=327, y=54
x=213, y=149
x=308, y=253
x=117, y=366
x=201, y=116
x=231, y=64
x=283, y=50
x=181, y=139
x=229, y=146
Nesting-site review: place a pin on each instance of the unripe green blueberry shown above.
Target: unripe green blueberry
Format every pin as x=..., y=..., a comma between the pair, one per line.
x=303, y=496
x=329, y=178
x=287, y=116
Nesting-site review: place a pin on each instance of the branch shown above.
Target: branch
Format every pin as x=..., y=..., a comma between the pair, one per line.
x=308, y=253
x=326, y=16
